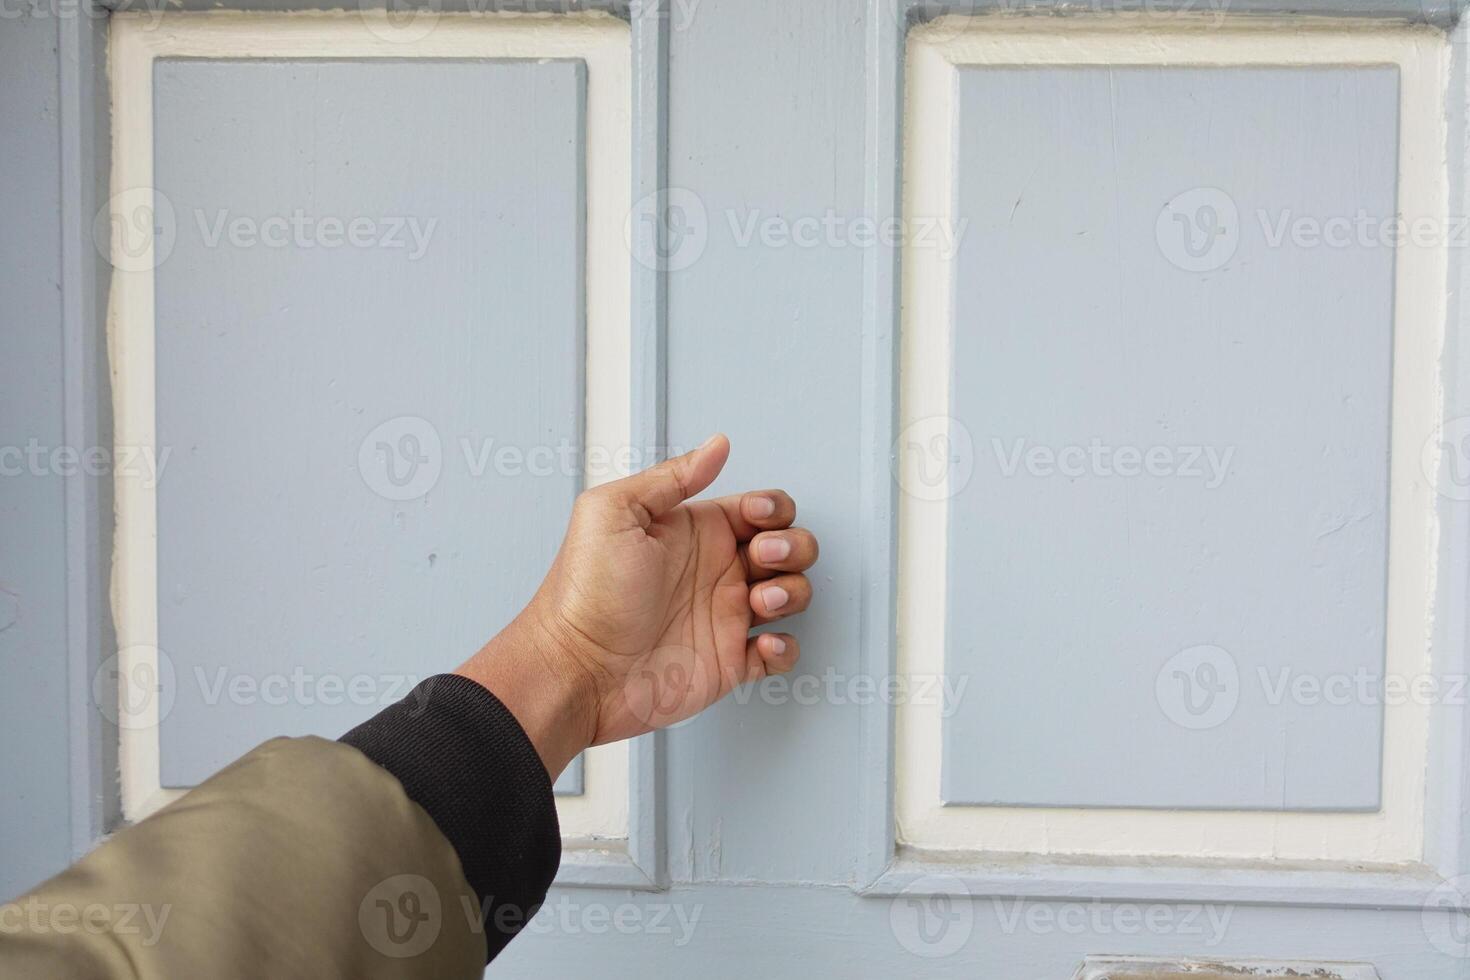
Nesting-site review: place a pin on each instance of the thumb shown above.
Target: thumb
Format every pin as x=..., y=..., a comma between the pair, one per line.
x=659, y=489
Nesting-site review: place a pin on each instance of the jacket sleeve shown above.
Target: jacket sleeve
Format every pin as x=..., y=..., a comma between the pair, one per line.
x=417, y=846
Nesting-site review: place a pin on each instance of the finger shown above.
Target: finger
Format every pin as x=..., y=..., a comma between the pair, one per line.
x=777, y=653
x=757, y=510
x=770, y=552
x=661, y=488
x=785, y=595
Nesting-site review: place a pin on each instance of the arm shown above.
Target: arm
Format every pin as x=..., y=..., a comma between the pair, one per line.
x=419, y=844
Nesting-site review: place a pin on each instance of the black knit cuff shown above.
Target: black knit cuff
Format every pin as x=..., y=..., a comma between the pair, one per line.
x=462, y=756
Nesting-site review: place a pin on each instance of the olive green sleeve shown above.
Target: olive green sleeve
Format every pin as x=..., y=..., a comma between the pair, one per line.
x=305, y=858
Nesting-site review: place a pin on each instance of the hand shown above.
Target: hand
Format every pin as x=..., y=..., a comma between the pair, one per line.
x=645, y=617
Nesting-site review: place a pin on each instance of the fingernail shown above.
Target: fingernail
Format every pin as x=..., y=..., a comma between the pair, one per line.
x=772, y=549
x=708, y=442
x=778, y=646
x=761, y=507
x=775, y=598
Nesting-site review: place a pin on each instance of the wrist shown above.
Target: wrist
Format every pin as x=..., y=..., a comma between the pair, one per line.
x=552, y=696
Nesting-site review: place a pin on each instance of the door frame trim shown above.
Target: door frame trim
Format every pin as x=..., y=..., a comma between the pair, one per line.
x=637, y=862
x=886, y=869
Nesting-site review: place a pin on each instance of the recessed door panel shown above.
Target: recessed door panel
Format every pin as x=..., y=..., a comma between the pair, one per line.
x=369, y=379
x=1172, y=339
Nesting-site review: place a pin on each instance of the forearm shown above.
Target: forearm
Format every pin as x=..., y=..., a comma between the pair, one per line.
x=549, y=695
x=460, y=754
x=272, y=867
x=420, y=844
x=417, y=846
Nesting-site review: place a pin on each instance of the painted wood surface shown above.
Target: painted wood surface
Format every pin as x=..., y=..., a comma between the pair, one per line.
x=55, y=479
x=734, y=932
x=1018, y=841
x=1441, y=13
x=782, y=319
x=777, y=790
x=1178, y=407
x=33, y=842
x=571, y=781
x=375, y=445
x=1151, y=968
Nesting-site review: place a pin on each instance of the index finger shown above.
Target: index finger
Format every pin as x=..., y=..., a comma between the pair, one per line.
x=754, y=511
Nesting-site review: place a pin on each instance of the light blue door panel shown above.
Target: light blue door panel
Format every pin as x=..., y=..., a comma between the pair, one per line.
x=339, y=515
x=35, y=838
x=571, y=781
x=1181, y=436
x=320, y=547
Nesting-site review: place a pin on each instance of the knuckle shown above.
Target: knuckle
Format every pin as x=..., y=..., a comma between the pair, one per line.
x=590, y=498
x=596, y=502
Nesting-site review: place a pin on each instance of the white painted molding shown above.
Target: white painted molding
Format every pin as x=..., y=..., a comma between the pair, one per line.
x=1395, y=834
x=1151, y=968
x=601, y=814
